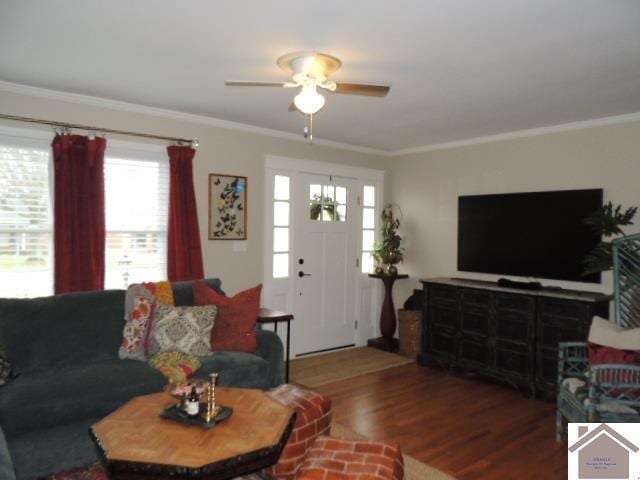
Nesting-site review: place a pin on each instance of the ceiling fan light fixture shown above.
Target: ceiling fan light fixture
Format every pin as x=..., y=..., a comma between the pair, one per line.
x=309, y=101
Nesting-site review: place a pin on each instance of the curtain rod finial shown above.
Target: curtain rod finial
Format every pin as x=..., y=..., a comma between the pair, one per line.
x=195, y=142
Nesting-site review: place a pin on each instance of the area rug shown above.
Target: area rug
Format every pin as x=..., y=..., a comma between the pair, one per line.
x=413, y=469
x=331, y=367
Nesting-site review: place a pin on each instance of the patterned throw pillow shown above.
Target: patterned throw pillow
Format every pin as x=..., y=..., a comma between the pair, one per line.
x=182, y=329
x=139, y=311
x=139, y=308
x=176, y=366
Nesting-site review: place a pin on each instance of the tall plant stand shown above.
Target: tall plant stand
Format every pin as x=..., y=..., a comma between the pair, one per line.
x=388, y=320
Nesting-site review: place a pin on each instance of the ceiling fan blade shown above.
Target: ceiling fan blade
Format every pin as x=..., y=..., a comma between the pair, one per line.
x=362, y=89
x=242, y=83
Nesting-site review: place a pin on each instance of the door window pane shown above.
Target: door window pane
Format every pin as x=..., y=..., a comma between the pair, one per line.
x=315, y=193
x=328, y=203
x=329, y=213
x=281, y=220
x=281, y=265
x=369, y=199
x=281, y=214
x=329, y=193
x=367, y=262
x=368, y=218
x=314, y=211
x=281, y=188
x=367, y=240
x=280, y=239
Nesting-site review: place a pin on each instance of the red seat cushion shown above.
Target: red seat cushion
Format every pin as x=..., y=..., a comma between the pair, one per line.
x=336, y=459
x=234, y=327
x=313, y=420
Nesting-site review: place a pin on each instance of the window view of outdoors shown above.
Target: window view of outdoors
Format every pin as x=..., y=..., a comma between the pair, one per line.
x=136, y=203
x=136, y=199
x=26, y=268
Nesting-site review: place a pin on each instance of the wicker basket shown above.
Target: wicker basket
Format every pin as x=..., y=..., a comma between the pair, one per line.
x=410, y=332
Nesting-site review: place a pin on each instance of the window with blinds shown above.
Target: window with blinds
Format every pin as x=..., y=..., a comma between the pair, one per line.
x=26, y=234
x=136, y=209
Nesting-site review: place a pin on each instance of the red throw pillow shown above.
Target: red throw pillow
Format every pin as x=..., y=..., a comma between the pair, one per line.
x=601, y=354
x=234, y=327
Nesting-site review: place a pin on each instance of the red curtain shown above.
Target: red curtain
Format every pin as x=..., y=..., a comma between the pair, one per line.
x=184, y=251
x=79, y=221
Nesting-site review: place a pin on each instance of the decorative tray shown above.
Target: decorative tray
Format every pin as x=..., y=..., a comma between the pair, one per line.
x=175, y=413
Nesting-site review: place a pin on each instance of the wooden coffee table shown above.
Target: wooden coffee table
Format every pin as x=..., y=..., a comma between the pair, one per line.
x=136, y=443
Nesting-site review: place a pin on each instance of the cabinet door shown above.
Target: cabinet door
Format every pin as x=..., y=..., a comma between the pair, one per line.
x=551, y=332
x=475, y=352
x=442, y=343
x=515, y=302
x=562, y=321
x=560, y=308
x=514, y=326
x=547, y=368
x=559, y=320
x=515, y=360
x=474, y=320
x=472, y=297
x=444, y=315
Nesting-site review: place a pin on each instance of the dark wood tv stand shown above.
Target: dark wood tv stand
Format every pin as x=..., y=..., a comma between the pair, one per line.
x=505, y=334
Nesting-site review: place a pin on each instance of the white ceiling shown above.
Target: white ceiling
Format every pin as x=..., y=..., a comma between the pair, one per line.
x=458, y=68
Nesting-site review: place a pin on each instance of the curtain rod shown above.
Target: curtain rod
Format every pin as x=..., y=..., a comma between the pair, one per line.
x=16, y=118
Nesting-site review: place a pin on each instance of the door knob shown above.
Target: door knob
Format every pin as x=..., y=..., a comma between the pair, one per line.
x=302, y=274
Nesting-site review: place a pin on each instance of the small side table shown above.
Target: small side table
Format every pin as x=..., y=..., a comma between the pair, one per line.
x=387, y=316
x=268, y=315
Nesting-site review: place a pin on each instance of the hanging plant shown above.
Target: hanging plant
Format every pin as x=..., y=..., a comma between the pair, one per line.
x=606, y=222
x=327, y=211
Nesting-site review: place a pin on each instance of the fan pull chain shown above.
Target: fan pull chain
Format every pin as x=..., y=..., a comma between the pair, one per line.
x=308, y=128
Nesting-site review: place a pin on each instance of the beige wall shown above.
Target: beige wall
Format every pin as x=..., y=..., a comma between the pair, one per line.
x=427, y=186
x=220, y=151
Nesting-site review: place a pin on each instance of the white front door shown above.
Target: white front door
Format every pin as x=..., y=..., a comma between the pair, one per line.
x=324, y=269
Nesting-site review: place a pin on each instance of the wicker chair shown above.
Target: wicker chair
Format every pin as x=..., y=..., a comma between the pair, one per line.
x=608, y=392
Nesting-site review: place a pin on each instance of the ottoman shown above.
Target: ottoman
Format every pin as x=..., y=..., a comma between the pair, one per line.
x=313, y=420
x=336, y=459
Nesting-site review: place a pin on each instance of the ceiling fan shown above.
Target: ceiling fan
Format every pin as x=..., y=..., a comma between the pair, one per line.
x=310, y=70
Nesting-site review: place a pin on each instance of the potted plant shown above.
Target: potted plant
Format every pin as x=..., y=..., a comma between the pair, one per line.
x=388, y=252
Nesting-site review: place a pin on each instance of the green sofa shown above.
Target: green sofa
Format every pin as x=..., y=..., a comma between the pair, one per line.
x=64, y=350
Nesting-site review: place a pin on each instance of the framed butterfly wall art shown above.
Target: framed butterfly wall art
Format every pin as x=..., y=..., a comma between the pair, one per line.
x=227, y=207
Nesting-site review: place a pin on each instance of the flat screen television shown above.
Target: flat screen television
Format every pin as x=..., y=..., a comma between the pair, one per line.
x=537, y=234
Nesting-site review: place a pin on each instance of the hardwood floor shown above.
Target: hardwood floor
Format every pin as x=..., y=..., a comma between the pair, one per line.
x=471, y=429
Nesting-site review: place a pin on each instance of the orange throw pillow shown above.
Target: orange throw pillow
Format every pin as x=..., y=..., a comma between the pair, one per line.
x=234, y=327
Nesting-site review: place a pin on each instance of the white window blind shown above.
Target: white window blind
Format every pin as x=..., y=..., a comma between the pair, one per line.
x=26, y=234
x=136, y=209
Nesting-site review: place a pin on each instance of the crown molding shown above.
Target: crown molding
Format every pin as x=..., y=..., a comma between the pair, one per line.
x=532, y=132
x=176, y=115
x=243, y=127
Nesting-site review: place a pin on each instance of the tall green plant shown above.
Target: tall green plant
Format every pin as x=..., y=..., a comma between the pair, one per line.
x=606, y=222
x=391, y=240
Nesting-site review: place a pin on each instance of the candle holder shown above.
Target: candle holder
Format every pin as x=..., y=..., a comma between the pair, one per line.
x=212, y=410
